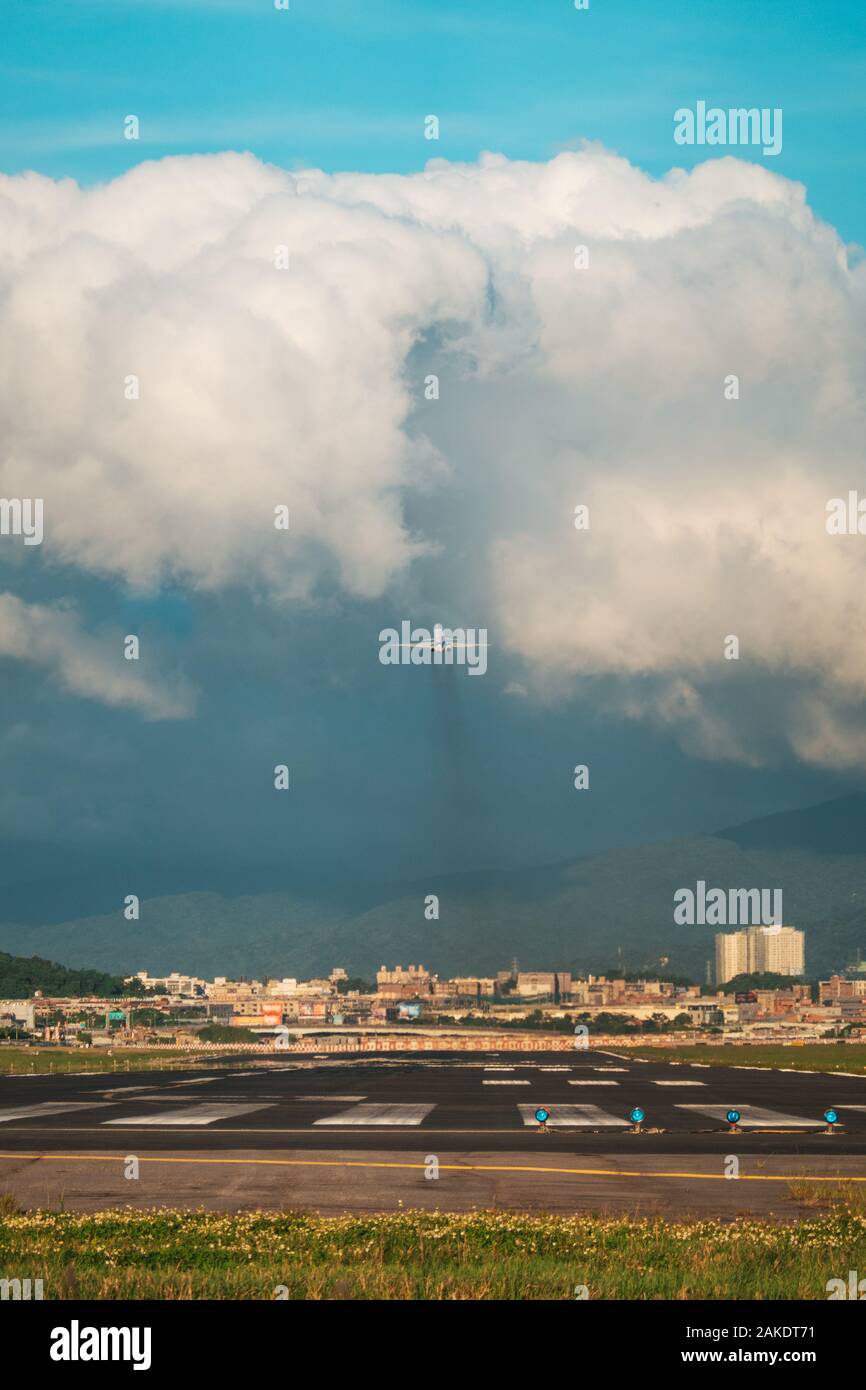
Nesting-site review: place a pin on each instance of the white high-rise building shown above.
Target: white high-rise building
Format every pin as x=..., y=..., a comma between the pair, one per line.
x=732, y=955
x=770, y=950
x=781, y=951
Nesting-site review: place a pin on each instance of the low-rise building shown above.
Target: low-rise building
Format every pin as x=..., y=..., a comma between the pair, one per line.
x=404, y=984
x=543, y=984
x=837, y=988
x=281, y=989
x=176, y=984
x=465, y=987
x=17, y=1013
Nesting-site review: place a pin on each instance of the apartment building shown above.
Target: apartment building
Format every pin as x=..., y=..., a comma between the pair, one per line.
x=760, y=950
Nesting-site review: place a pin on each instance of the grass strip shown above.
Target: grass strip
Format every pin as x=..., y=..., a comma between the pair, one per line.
x=413, y=1255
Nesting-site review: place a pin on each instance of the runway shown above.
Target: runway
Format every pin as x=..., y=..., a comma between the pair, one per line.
x=470, y=1100
x=352, y=1133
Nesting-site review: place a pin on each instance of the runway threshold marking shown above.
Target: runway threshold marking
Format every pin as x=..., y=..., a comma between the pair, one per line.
x=203, y=1114
x=382, y=1114
x=756, y=1116
x=46, y=1108
x=574, y=1117
x=450, y=1167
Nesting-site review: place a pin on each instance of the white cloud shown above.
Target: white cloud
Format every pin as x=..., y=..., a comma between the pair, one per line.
x=258, y=386
x=52, y=637
x=602, y=386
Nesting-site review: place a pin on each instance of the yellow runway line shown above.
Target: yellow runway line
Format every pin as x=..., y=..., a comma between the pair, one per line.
x=448, y=1167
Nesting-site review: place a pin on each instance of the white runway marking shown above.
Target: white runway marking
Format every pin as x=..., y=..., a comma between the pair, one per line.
x=160, y=1099
x=340, y=1100
x=197, y=1081
x=125, y=1090
x=202, y=1114
x=233, y=1098
x=574, y=1117
x=499, y=1069
x=620, y=1069
x=679, y=1083
x=515, y=1082
x=48, y=1107
x=756, y=1117
x=372, y=1114
x=560, y=1068
x=593, y=1083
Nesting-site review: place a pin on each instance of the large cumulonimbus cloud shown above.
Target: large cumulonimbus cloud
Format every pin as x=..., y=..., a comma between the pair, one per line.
x=594, y=378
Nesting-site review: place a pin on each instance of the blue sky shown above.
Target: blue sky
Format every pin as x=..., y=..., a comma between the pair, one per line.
x=345, y=84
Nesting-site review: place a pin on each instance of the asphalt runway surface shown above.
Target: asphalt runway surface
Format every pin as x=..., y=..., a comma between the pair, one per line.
x=357, y=1133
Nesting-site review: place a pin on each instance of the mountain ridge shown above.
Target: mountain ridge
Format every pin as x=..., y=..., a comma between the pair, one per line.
x=580, y=914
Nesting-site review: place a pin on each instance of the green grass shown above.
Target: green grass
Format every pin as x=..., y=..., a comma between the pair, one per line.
x=41, y=1061
x=418, y=1255
x=809, y=1193
x=809, y=1057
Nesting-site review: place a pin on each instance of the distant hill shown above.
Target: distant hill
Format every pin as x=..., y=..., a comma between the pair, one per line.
x=200, y=932
x=21, y=976
x=835, y=827
x=580, y=915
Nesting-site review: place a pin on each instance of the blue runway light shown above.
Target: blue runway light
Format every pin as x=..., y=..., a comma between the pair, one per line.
x=542, y=1115
x=733, y=1117
x=637, y=1115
